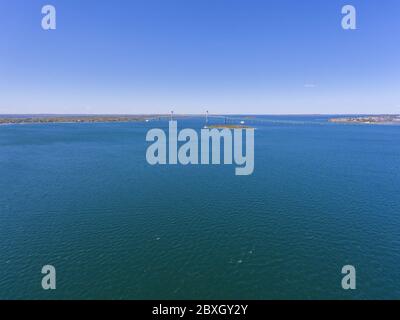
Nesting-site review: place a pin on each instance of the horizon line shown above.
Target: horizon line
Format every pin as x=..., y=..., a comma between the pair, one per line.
x=197, y=114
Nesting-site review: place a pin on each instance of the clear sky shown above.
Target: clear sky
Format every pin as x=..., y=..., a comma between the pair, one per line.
x=225, y=56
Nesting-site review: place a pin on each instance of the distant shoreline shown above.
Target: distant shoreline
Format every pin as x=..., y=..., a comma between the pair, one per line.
x=380, y=119
x=143, y=115
x=70, y=119
x=28, y=119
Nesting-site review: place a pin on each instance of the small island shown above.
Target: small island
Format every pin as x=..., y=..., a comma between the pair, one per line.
x=379, y=119
x=228, y=126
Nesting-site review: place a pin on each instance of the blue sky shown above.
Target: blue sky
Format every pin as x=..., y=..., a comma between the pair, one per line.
x=226, y=56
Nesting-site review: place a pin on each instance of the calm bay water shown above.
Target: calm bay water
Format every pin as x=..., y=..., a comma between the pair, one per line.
x=82, y=197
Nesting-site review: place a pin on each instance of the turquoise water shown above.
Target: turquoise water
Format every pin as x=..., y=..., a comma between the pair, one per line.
x=82, y=197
